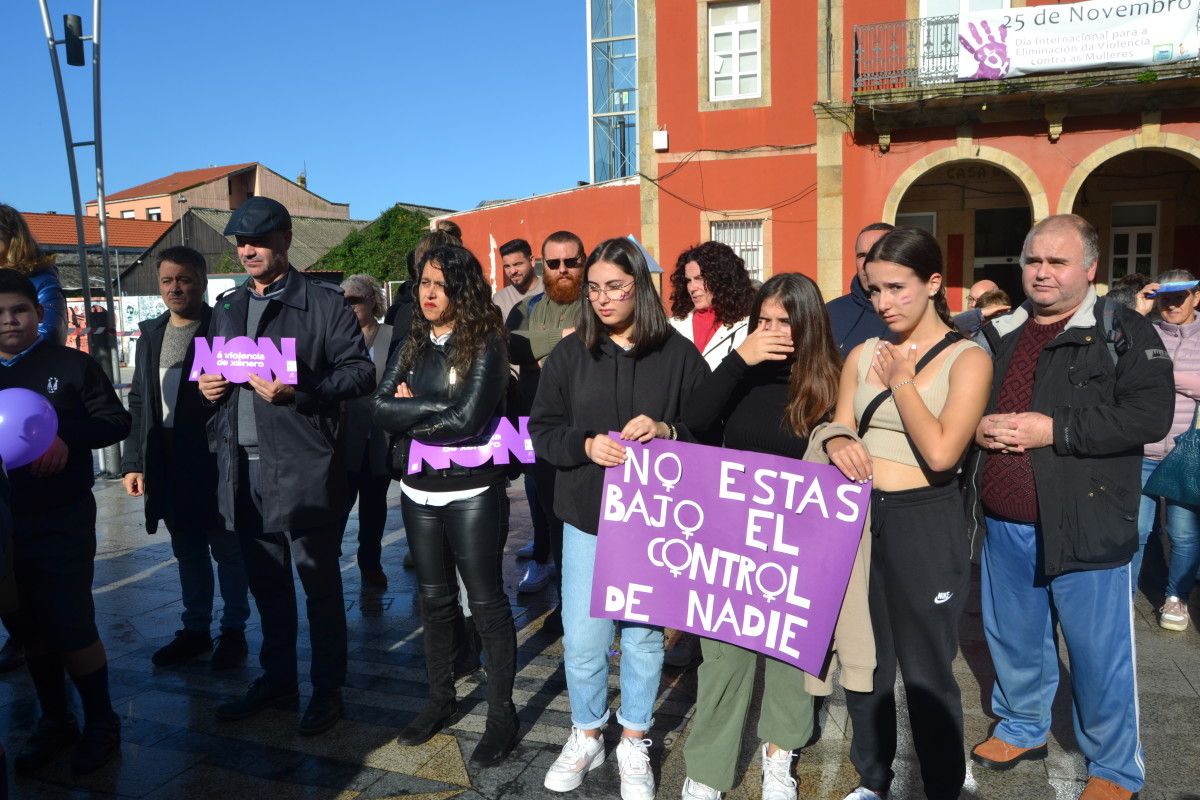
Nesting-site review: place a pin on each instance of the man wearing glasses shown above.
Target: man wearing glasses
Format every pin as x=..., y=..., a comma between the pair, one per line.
x=546, y=320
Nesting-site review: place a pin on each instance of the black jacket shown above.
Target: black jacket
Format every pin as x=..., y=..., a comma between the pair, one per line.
x=90, y=417
x=853, y=318
x=443, y=413
x=581, y=395
x=1089, y=480
x=298, y=441
x=189, y=503
x=8, y=581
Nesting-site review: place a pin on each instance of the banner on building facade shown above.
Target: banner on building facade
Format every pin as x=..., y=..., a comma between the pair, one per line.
x=752, y=549
x=1006, y=43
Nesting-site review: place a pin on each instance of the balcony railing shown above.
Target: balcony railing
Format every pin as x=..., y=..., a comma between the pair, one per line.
x=905, y=54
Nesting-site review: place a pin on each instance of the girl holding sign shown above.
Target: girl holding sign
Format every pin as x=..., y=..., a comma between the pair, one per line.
x=916, y=397
x=626, y=370
x=444, y=387
x=768, y=395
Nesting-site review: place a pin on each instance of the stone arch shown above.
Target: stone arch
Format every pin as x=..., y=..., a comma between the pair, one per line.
x=1184, y=147
x=1021, y=172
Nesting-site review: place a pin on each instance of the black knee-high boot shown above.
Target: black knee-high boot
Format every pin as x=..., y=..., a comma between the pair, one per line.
x=440, y=639
x=494, y=622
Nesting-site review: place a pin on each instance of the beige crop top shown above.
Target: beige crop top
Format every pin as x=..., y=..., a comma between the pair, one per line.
x=885, y=438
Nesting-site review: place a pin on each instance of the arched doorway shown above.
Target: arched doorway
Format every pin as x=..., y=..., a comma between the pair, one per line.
x=1145, y=204
x=980, y=214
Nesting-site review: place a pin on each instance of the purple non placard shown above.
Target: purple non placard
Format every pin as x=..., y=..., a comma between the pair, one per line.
x=748, y=548
x=239, y=357
x=500, y=441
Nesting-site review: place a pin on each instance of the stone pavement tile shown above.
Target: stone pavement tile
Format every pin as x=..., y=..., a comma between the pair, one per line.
x=206, y=782
x=136, y=772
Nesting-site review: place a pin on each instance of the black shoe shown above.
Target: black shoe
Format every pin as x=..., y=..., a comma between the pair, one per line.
x=12, y=655
x=230, y=652
x=49, y=739
x=408, y=561
x=97, y=745
x=261, y=694
x=552, y=624
x=431, y=720
x=499, y=737
x=323, y=712
x=183, y=648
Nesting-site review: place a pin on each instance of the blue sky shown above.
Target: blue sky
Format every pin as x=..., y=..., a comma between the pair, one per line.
x=443, y=103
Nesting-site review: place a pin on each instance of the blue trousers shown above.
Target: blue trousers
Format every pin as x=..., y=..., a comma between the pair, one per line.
x=1183, y=528
x=1094, y=609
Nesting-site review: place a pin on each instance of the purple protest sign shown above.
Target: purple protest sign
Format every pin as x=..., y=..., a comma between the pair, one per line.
x=500, y=440
x=752, y=549
x=241, y=356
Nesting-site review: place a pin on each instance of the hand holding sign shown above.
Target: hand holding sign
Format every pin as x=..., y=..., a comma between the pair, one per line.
x=274, y=391
x=28, y=426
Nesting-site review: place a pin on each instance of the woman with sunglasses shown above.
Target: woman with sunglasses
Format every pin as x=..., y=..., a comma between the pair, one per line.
x=365, y=450
x=623, y=370
x=445, y=387
x=912, y=448
x=768, y=395
x=1179, y=328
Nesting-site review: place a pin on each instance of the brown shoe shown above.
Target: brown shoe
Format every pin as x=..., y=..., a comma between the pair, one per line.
x=1000, y=755
x=1101, y=789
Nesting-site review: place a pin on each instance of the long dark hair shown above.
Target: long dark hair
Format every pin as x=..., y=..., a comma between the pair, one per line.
x=650, y=326
x=916, y=249
x=725, y=276
x=476, y=318
x=813, y=385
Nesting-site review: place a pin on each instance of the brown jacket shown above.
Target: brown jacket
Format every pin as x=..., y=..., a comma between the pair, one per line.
x=853, y=638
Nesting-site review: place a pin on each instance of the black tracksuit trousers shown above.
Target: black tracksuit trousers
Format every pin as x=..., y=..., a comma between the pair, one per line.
x=920, y=576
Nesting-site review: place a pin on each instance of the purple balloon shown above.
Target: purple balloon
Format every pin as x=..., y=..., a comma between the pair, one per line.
x=28, y=425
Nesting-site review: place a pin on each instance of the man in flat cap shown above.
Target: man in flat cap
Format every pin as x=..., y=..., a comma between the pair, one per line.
x=282, y=484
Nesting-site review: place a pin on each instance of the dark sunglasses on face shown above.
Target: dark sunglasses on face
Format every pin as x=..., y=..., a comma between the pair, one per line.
x=566, y=263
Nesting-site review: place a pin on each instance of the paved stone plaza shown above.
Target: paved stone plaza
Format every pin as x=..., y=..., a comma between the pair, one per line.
x=175, y=748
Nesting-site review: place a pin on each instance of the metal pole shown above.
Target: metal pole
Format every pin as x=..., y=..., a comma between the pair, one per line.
x=66, y=123
x=111, y=457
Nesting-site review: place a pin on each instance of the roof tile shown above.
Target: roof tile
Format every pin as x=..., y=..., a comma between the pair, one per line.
x=59, y=230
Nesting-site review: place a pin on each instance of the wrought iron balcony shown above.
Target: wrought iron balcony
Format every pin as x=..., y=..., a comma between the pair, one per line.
x=905, y=54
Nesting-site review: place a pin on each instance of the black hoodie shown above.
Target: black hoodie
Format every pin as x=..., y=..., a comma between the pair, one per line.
x=581, y=395
x=853, y=318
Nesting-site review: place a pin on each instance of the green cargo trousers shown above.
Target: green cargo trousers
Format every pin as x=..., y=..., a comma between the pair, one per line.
x=726, y=684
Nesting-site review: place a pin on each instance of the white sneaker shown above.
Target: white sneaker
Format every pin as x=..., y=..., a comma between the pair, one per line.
x=777, y=780
x=580, y=755
x=536, y=577
x=1174, y=615
x=863, y=793
x=695, y=790
x=633, y=760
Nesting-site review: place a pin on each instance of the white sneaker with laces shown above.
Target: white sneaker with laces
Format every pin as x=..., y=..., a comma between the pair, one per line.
x=863, y=793
x=633, y=760
x=695, y=790
x=580, y=755
x=1174, y=615
x=777, y=780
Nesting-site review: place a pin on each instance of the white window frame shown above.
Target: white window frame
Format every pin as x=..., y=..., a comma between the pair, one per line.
x=154, y=214
x=925, y=220
x=733, y=232
x=128, y=215
x=735, y=29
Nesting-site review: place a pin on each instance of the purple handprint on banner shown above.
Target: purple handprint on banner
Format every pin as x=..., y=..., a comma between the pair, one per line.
x=990, y=50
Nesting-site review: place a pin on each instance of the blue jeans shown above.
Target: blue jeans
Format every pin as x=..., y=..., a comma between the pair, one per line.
x=1019, y=608
x=192, y=548
x=585, y=648
x=1183, y=529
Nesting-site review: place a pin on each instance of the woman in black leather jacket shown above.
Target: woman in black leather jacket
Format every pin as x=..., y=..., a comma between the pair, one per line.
x=444, y=388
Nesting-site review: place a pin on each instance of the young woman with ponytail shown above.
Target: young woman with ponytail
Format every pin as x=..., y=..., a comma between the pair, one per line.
x=934, y=387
